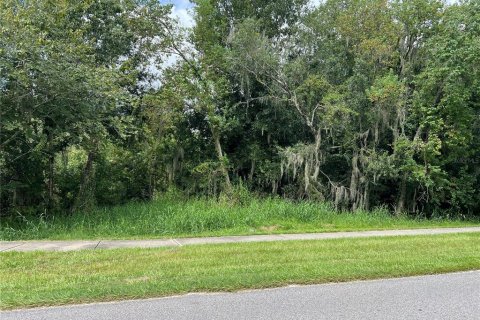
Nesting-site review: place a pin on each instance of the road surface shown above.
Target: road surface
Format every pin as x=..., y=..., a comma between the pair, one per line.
x=449, y=296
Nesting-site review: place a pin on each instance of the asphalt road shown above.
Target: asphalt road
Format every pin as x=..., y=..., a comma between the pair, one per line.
x=450, y=296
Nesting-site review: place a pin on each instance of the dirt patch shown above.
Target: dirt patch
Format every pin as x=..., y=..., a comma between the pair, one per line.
x=138, y=279
x=269, y=228
x=328, y=225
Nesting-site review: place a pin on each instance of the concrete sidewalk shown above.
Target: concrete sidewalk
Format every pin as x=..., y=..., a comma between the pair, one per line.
x=116, y=244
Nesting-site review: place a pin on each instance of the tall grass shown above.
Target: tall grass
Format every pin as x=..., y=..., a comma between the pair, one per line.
x=173, y=215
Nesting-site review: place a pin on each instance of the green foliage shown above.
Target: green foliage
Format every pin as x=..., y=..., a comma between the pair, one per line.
x=360, y=103
x=68, y=73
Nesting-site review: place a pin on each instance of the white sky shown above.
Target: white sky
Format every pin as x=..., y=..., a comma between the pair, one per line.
x=182, y=10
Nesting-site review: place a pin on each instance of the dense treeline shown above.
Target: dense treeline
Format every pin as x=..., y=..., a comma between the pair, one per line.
x=362, y=103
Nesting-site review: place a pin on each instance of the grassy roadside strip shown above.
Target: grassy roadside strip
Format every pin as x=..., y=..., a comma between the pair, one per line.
x=54, y=278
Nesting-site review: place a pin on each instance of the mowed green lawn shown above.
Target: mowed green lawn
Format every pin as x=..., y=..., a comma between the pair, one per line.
x=53, y=278
x=177, y=216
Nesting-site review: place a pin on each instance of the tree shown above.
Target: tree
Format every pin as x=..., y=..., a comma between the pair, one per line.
x=68, y=74
x=447, y=107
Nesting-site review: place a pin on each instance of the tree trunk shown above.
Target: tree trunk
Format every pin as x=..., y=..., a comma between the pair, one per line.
x=50, y=181
x=318, y=142
x=85, y=193
x=400, y=207
x=218, y=148
x=252, y=171
x=49, y=125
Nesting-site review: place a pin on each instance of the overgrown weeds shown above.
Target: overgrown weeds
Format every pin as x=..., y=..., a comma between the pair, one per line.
x=172, y=214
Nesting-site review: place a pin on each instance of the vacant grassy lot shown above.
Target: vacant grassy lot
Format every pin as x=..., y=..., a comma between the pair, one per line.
x=170, y=216
x=51, y=278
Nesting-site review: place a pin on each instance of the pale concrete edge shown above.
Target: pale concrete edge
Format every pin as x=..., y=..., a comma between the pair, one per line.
x=12, y=247
x=179, y=242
